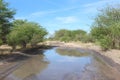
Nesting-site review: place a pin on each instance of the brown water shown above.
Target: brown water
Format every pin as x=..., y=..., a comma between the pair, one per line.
x=65, y=64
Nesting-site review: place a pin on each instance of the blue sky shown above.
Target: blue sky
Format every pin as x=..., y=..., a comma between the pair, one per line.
x=60, y=14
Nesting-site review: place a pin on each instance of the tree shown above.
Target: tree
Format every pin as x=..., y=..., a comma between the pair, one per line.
x=78, y=35
x=27, y=32
x=69, y=35
x=6, y=16
x=107, y=26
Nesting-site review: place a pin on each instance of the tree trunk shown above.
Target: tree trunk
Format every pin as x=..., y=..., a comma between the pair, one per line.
x=24, y=45
x=13, y=48
x=113, y=44
x=3, y=39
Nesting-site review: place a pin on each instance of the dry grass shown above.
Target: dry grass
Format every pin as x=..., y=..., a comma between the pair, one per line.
x=5, y=49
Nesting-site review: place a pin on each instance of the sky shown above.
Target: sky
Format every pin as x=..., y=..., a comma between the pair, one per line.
x=60, y=14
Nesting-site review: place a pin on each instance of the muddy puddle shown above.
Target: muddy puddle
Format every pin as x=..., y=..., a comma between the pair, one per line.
x=65, y=64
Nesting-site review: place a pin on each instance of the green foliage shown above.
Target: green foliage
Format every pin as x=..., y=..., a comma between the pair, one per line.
x=28, y=32
x=78, y=35
x=99, y=32
x=105, y=43
x=69, y=35
x=6, y=16
x=87, y=38
x=106, y=28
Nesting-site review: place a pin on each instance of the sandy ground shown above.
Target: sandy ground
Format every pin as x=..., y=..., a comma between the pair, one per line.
x=112, y=54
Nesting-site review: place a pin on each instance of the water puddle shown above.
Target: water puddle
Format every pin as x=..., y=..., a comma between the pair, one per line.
x=64, y=64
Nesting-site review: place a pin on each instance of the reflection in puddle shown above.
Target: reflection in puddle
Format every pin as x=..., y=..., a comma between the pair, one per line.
x=64, y=64
x=71, y=52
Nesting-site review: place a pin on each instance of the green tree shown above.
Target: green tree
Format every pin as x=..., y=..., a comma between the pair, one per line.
x=60, y=33
x=6, y=16
x=107, y=26
x=69, y=35
x=78, y=35
x=27, y=32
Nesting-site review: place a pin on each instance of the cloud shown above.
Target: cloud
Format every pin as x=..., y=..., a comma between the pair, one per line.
x=67, y=20
x=93, y=7
x=42, y=13
x=39, y=13
x=45, y=13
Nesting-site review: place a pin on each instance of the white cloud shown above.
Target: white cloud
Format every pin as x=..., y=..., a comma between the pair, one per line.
x=44, y=13
x=96, y=4
x=93, y=7
x=67, y=20
x=41, y=13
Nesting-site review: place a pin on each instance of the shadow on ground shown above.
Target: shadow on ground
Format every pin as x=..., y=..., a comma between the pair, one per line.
x=36, y=50
x=23, y=54
x=12, y=57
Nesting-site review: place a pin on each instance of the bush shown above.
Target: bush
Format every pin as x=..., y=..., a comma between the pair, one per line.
x=105, y=43
x=69, y=35
x=106, y=28
x=28, y=32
